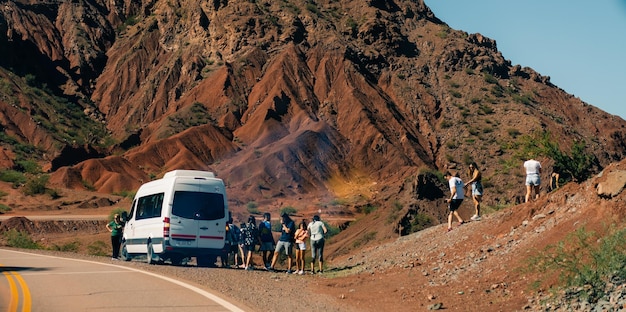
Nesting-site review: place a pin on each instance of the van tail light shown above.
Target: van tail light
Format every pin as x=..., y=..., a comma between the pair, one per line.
x=166, y=227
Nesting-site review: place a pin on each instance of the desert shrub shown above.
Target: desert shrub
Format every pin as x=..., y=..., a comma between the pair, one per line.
x=4, y=208
x=252, y=207
x=584, y=260
x=69, y=247
x=54, y=194
x=127, y=194
x=288, y=210
x=20, y=239
x=489, y=78
x=367, y=209
x=88, y=185
x=36, y=185
x=578, y=164
x=15, y=177
x=420, y=222
x=28, y=166
x=514, y=133
x=456, y=94
x=446, y=124
x=98, y=248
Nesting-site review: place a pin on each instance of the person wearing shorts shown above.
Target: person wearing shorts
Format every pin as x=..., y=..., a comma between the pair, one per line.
x=457, y=195
x=477, y=189
x=533, y=178
x=286, y=240
x=301, y=235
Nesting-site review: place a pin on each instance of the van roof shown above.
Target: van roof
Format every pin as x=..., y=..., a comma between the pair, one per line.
x=189, y=173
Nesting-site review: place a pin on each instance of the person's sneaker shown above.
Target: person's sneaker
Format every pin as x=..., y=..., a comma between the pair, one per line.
x=270, y=269
x=289, y=272
x=301, y=272
x=475, y=218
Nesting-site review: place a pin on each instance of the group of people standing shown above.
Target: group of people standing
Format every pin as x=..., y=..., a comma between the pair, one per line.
x=532, y=168
x=242, y=241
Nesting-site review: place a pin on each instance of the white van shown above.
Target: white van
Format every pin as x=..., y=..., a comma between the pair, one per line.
x=182, y=215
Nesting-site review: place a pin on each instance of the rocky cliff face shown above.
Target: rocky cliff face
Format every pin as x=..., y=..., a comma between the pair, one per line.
x=282, y=99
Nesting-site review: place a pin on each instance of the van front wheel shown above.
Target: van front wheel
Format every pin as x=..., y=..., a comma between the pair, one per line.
x=124, y=253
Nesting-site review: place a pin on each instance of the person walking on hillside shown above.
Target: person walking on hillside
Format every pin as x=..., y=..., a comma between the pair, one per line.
x=533, y=179
x=250, y=236
x=285, y=242
x=477, y=189
x=317, y=230
x=116, y=227
x=301, y=235
x=267, y=240
x=456, y=197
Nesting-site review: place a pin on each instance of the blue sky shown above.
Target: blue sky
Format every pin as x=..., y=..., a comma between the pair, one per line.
x=580, y=44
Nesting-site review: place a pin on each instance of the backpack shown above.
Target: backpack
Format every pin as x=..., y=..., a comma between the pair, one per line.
x=265, y=232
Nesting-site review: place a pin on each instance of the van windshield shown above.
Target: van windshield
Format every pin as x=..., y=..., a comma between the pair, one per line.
x=198, y=205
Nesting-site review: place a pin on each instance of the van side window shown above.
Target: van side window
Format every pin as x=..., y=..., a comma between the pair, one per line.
x=132, y=209
x=198, y=205
x=149, y=206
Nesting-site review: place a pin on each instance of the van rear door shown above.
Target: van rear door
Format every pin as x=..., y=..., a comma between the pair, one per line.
x=212, y=217
x=198, y=215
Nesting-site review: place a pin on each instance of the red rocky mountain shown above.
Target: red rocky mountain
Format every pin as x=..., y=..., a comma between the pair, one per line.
x=330, y=104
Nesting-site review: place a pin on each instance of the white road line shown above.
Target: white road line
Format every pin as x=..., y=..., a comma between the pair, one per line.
x=199, y=291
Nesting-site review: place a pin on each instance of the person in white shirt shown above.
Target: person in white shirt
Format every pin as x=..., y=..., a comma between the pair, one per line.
x=533, y=179
x=317, y=230
x=457, y=194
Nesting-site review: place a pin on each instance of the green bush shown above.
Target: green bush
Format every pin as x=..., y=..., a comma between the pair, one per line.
x=36, y=185
x=288, y=210
x=69, y=247
x=252, y=207
x=28, y=166
x=584, y=260
x=578, y=165
x=489, y=78
x=20, y=239
x=420, y=222
x=4, y=208
x=98, y=248
x=12, y=176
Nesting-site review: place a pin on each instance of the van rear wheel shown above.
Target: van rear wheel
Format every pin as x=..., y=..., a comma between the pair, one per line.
x=150, y=254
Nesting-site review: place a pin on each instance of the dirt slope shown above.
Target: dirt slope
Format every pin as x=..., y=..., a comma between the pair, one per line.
x=477, y=266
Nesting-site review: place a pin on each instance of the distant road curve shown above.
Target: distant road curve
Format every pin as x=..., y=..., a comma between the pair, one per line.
x=36, y=282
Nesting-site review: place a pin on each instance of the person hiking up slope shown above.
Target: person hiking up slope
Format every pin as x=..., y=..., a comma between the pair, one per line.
x=456, y=197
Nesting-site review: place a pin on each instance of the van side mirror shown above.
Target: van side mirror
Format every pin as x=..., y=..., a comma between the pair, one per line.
x=124, y=216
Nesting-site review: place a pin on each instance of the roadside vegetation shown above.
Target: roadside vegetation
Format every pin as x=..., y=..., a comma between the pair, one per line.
x=585, y=262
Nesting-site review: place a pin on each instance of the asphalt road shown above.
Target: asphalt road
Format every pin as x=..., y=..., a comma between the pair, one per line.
x=34, y=282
